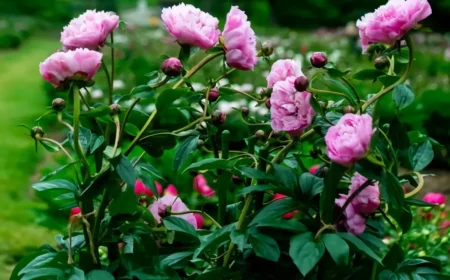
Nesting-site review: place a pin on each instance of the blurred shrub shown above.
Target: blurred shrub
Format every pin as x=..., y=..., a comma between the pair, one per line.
x=13, y=30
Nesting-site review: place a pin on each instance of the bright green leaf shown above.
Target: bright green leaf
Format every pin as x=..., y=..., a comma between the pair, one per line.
x=126, y=171
x=99, y=274
x=274, y=210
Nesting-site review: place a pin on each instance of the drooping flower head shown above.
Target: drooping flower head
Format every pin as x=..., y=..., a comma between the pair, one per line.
x=79, y=64
x=290, y=110
x=239, y=40
x=349, y=140
x=89, y=30
x=390, y=22
x=174, y=203
x=283, y=69
x=434, y=198
x=191, y=26
x=141, y=189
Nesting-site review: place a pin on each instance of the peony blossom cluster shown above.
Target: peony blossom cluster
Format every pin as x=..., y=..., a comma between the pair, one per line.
x=89, y=30
x=390, y=22
x=200, y=185
x=283, y=69
x=290, y=110
x=79, y=65
x=349, y=140
x=364, y=203
x=171, y=203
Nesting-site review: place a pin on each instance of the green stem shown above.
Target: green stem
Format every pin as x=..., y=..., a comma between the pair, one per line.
x=224, y=75
x=401, y=80
x=322, y=91
x=222, y=192
x=352, y=88
x=116, y=142
x=110, y=96
x=262, y=165
x=109, y=81
x=127, y=115
x=246, y=94
x=100, y=215
x=199, y=120
x=138, y=136
x=76, y=129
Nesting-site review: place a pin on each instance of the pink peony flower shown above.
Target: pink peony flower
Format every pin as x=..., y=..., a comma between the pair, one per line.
x=199, y=218
x=201, y=186
x=239, y=40
x=434, y=198
x=174, y=203
x=314, y=168
x=290, y=110
x=141, y=189
x=354, y=222
x=283, y=69
x=390, y=22
x=191, y=26
x=74, y=211
x=89, y=30
x=171, y=190
x=80, y=64
x=349, y=140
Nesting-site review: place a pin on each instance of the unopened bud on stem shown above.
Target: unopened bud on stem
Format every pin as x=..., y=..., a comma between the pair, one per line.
x=37, y=132
x=267, y=49
x=318, y=59
x=172, y=67
x=58, y=104
x=115, y=109
x=381, y=62
x=301, y=83
x=218, y=117
x=213, y=94
x=348, y=109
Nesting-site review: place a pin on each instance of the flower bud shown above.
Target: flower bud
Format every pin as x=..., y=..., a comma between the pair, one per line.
x=267, y=49
x=172, y=67
x=58, y=104
x=213, y=94
x=37, y=132
x=318, y=59
x=348, y=109
x=301, y=83
x=323, y=105
x=218, y=117
x=200, y=143
x=267, y=103
x=265, y=91
x=245, y=111
x=115, y=109
x=260, y=134
x=236, y=180
x=381, y=62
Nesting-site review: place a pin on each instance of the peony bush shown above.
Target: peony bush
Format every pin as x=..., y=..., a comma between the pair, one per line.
x=255, y=209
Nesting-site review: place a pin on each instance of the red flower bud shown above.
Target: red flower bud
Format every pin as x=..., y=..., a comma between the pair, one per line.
x=213, y=94
x=267, y=103
x=218, y=117
x=318, y=59
x=172, y=67
x=301, y=83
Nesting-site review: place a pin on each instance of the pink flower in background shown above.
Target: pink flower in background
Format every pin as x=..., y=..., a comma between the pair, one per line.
x=290, y=110
x=74, y=211
x=80, y=64
x=89, y=30
x=201, y=186
x=199, y=218
x=191, y=26
x=445, y=225
x=349, y=140
x=390, y=22
x=239, y=40
x=171, y=190
x=434, y=198
x=141, y=189
x=365, y=203
x=283, y=69
x=288, y=215
x=174, y=203
x=314, y=168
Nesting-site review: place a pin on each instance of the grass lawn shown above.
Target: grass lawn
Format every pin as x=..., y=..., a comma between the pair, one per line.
x=22, y=100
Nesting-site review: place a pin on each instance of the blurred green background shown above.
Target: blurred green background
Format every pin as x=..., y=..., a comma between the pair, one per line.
x=29, y=32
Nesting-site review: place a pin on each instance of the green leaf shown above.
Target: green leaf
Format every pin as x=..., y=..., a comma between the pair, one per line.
x=167, y=97
x=39, y=261
x=255, y=188
x=186, y=148
x=152, y=171
x=175, y=258
x=141, y=88
x=265, y=247
x=368, y=75
x=99, y=111
x=179, y=225
x=55, y=185
x=283, y=224
x=337, y=247
x=418, y=203
x=96, y=142
x=316, y=106
x=44, y=272
x=226, y=91
x=255, y=173
x=322, y=126
x=388, y=80
x=85, y=136
x=286, y=176
x=398, y=135
x=124, y=203
x=361, y=246
x=310, y=184
x=149, y=183
x=336, y=85
x=305, y=252
x=387, y=275
x=239, y=238
x=99, y=274
x=402, y=96
x=420, y=155
x=131, y=129
x=56, y=171
x=49, y=146
x=336, y=73
x=212, y=241
x=274, y=210
x=126, y=171
x=208, y=164
x=329, y=193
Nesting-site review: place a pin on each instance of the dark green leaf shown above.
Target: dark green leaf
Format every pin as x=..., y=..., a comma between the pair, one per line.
x=274, y=210
x=310, y=184
x=329, y=193
x=360, y=245
x=336, y=73
x=208, y=164
x=43, y=272
x=239, y=238
x=388, y=80
x=39, y=261
x=226, y=91
x=99, y=274
x=398, y=135
x=255, y=173
x=321, y=125
x=286, y=176
x=420, y=155
x=305, y=252
x=125, y=203
x=96, y=142
x=212, y=241
x=131, y=129
x=54, y=185
x=368, y=75
x=85, y=137
x=126, y=171
x=283, y=224
x=337, y=247
x=387, y=275
x=56, y=171
x=402, y=96
x=393, y=257
x=392, y=192
x=265, y=247
x=179, y=225
x=152, y=171
x=418, y=203
x=255, y=188
x=167, y=97
x=99, y=111
x=338, y=86
x=175, y=258
x=141, y=88
x=186, y=148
